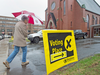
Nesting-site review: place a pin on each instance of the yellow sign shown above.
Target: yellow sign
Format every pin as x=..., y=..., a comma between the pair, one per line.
x=57, y=56
x=60, y=48
x=12, y=38
x=69, y=43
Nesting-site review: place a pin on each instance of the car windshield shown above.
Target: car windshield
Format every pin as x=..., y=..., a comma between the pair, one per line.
x=76, y=31
x=39, y=32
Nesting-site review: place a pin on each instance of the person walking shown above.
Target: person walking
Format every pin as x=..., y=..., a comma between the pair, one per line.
x=20, y=35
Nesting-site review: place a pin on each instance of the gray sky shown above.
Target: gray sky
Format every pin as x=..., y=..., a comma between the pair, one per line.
x=37, y=6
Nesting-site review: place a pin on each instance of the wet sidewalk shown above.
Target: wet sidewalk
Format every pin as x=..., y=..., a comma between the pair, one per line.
x=3, y=55
x=36, y=57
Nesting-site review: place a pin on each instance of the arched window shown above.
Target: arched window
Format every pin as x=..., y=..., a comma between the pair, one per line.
x=50, y=24
x=96, y=20
x=51, y=27
x=64, y=7
x=92, y=19
x=71, y=7
x=87, y=21
x=71, y=23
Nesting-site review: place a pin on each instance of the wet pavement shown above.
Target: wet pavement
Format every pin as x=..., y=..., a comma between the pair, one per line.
x=85, y=48
x=3, y=55
x=36, y=59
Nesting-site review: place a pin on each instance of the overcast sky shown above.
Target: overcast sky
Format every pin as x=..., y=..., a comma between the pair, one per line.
x=37, y=6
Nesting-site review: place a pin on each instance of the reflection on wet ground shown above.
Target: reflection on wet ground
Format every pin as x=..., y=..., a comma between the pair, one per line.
x=35, y=55
x=90, y=43
x=17, y=69
x=85, y=48
x=87, y=42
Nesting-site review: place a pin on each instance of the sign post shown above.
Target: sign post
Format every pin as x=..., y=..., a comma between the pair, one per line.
x=60, y=48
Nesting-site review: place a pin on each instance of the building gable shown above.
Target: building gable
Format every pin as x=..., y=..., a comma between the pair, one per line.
x=51, y=15
x=90, y=5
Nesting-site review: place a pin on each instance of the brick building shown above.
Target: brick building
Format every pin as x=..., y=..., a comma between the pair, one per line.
x=7, y=26
x=72, y=15
x=35, y=28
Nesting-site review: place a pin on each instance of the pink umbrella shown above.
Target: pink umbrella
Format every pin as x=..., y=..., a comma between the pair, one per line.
x=33, y=19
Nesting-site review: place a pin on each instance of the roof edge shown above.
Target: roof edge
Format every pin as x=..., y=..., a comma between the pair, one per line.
x=79, y=4
x=82, y=6
x=87, y=9
x=7, y=16
x=92, y=12
x=96, y=3
x=46, y=9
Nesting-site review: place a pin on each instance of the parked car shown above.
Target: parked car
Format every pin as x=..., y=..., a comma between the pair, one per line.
x=80, y=34
x=0, y=37
x=6, y=36
x=36, y=37
x=9, y=36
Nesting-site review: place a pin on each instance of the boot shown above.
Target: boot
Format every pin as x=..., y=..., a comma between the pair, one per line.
x=6, y=63
x=25, y=63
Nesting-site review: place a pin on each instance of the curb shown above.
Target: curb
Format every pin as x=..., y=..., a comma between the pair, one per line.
x=7, y=50
x=5, y=73
x=7, y=57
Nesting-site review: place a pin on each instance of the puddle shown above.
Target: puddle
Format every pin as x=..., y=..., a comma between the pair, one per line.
x=91, y=43
x=85, y=41
x=41, y=68
x=87, y=47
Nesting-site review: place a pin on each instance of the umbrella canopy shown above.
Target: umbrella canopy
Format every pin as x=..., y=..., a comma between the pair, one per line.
x=33, y=19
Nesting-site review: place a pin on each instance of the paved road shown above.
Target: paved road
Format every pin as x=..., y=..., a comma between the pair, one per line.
x=85, y=47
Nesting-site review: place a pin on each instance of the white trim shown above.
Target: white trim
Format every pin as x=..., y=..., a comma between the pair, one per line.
x=49, y=24
x=96, y=31
x=97, y=25
x=96, y=36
